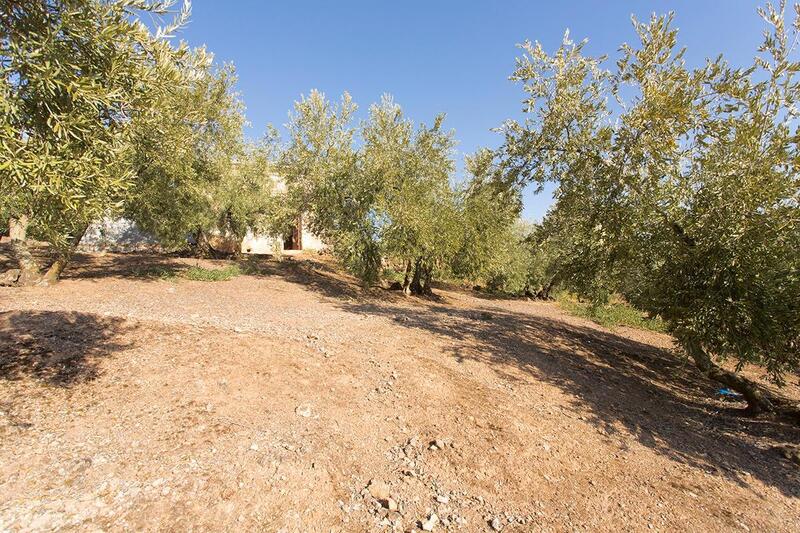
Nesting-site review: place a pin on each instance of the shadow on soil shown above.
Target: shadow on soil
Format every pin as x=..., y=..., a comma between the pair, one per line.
x=57, y=348
x=145, y=266
x=627, y=386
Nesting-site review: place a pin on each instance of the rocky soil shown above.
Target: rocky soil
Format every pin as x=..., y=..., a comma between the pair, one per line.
x=288, y=399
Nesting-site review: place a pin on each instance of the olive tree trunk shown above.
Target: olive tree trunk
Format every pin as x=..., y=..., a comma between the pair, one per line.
x=758, y=400
x=30, y=270
x=545, y=293
x=421, y=282
x=407, y=279
x=53, y=273
x=204, y=247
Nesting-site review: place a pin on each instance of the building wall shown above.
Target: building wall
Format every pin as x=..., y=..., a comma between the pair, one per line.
x=311, y=241
x=116, y=235
x=122, y=235
x=259, y=244
x=265, y=244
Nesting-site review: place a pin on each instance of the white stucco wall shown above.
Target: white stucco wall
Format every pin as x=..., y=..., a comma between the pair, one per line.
x=116, y=235
x=122, y=235
x=311, y=241
x=259, y=244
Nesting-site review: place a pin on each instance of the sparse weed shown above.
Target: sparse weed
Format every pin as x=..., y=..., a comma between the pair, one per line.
x=157, y=272
x=194, y=273
x=615, y=313
x=197, y=273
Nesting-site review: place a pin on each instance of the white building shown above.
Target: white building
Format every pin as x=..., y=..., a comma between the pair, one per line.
x=122, y=235
x=300, y=239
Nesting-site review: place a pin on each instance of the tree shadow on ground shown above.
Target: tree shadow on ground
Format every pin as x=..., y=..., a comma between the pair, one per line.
x=57, y=348
x=628, y=387
x=140, y=266
x=311, y=273
x=135, y=265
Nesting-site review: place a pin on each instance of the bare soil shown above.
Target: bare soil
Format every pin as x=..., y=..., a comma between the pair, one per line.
x=270, y=401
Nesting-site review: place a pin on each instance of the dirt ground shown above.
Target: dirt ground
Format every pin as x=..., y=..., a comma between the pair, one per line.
x=289, y=400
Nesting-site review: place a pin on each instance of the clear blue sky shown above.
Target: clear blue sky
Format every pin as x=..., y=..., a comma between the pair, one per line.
x=434, y=56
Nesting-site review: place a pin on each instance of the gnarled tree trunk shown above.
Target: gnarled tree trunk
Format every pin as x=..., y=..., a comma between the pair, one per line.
x=30, y=271
x=53, y=273
x=407, y=279
x=421, y=282
x=204, y=247
x=545, y=293
x=758, y=400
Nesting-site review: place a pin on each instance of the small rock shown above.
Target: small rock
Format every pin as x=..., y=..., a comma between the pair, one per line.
x=496, y=523
x=443, y=499
x=391, y=504
x=379, y=490
x=439, y=443
x=254, y=447
x=10, y=276
x=303, y=410
x=429, y=524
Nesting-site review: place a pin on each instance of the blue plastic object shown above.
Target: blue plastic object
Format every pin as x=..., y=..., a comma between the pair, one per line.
x=729, y=393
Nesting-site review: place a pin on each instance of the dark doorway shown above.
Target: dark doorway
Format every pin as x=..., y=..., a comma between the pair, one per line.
x=294, y=240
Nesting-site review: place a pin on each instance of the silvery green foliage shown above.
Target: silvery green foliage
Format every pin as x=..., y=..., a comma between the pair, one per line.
x=492, y=247
x=74, y=76
x=389, y=200
x=682, y=195
x=194, y=172
x=415, y=209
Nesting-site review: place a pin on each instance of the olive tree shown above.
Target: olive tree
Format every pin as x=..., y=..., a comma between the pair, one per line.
x=415, y=211
x=388, y=200
x=195, y=175
x=683, y=196
x=323, y=186
x=492, y=248
x=73, y=76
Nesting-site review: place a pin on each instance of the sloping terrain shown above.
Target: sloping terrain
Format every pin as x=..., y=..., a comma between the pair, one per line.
x=289, y=400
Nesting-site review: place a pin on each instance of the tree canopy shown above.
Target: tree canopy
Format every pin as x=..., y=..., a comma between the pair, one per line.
x=382, y=194
x=676, y=187
x=75, y=76
x=194, y=173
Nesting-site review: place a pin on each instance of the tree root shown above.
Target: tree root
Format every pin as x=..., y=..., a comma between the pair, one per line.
x=759, y=400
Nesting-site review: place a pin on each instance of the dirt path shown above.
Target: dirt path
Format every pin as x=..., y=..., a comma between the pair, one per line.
x=269, y=402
